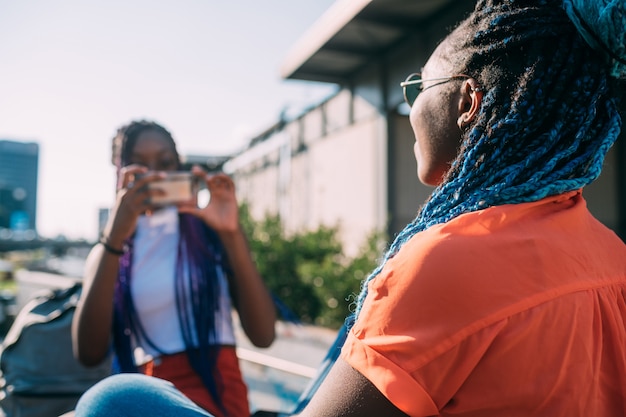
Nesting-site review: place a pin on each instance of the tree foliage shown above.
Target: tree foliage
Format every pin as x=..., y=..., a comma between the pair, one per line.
x=308, y=271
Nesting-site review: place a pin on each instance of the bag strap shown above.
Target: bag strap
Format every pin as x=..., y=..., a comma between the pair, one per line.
x=28, y=314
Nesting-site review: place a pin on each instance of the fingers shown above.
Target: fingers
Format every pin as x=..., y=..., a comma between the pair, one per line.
x=215, y=182
x=135, y=192
x=127, y=175
x=220, y=181
x=197, y=170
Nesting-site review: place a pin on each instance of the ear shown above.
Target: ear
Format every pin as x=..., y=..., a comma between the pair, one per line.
x=469, y=102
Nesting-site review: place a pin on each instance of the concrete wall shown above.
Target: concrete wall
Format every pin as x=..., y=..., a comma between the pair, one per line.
x=327, y=167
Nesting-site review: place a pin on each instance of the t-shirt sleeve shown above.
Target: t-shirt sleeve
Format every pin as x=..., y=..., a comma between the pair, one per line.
x=424, y=383
x=395, y=383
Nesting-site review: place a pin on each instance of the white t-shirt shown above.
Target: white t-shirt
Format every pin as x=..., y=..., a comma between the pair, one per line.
x=155, y=250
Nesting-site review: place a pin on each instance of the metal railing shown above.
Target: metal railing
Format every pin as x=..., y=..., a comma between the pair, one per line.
x=275, y=363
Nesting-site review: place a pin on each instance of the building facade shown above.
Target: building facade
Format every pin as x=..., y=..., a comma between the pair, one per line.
x=19, y=168
x=349, y=161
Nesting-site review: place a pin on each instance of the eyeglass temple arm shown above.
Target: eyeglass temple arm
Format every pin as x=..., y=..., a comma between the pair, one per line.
x=421, y=80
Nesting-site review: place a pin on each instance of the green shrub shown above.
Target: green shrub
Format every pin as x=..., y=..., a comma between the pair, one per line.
x=308, y=271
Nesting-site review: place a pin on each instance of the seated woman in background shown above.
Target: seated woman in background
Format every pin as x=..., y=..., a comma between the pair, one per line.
x=161, y=283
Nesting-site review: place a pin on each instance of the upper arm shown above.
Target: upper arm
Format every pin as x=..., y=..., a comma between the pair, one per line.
x=345, y=393
x=92, y=321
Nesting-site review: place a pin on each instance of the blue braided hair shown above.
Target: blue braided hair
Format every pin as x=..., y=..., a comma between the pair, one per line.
x=548, y=116
x=601, y=24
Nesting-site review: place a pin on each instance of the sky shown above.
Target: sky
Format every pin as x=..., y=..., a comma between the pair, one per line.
x=73, y=71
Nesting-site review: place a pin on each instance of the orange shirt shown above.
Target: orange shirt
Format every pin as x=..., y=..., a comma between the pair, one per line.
x=516, y=310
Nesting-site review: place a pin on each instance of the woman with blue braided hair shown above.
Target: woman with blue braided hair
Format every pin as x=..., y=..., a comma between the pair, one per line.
x=505, y=296
x=161, y=284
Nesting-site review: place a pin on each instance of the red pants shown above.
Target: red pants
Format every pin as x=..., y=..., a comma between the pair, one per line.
x=230, y=385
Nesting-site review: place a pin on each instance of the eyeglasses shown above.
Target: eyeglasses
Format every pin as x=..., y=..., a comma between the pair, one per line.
x=412, y=86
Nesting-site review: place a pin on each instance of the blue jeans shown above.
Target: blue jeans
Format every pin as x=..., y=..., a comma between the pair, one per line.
x=136, y=395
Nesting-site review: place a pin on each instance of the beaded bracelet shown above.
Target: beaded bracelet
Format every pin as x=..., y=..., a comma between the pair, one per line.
x=104, y=242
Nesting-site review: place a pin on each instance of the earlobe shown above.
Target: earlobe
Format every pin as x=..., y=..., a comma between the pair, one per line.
x=469, y=105
x=462, y=123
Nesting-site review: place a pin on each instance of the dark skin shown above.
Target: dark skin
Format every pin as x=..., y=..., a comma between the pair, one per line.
x=153, y=156
x=437, y=118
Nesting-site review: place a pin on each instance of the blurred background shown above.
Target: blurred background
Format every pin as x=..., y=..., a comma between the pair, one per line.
x=73, y=72
x=298, y=100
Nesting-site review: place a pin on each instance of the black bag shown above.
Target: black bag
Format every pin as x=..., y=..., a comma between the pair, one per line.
x=39, y=375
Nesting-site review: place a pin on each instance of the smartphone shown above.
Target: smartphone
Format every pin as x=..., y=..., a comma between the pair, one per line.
x=179, y=187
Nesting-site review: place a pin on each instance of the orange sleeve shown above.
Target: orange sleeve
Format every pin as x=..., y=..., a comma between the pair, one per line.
x=389, y=378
